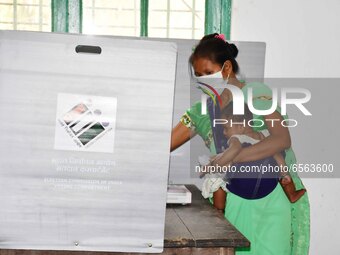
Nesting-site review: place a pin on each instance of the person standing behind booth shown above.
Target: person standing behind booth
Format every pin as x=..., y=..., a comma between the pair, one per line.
x=272, y=224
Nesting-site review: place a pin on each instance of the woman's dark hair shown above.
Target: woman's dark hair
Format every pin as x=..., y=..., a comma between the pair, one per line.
x=217, y=50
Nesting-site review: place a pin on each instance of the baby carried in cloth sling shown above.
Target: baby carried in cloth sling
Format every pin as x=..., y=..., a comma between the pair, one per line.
x=249, y=180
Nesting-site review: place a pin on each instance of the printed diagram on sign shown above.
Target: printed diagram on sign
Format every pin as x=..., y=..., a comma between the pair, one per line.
x=85, y=123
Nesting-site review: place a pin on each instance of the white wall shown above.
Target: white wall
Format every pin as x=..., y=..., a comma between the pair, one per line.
x=302, y=41
x=302, y=36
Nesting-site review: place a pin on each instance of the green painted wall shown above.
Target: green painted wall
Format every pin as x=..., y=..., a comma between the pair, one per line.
x=144, y=11
x=218, y=17
x=67, y=16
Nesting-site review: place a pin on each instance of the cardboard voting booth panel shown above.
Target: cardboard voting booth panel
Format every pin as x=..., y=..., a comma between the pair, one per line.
x=84, y=141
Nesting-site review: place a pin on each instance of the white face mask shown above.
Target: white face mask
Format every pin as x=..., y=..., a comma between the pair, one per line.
x=215, y=80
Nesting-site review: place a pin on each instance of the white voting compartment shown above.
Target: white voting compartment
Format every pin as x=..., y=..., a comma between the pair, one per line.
x=84, y=141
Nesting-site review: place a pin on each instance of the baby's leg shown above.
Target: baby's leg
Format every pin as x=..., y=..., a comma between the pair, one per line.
x=286, y=181
x=290, y=189
x=219, y=198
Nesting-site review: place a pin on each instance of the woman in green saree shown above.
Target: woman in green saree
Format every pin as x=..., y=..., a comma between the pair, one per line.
x=272, y=224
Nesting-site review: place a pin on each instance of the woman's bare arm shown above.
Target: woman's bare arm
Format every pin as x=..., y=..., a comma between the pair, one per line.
x=278, y=141
x=229, y=154
x=180, y=135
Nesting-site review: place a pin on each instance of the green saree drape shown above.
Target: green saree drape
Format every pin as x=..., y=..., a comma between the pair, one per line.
x=273, y=225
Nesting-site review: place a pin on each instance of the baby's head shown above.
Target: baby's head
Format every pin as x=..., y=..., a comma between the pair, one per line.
x=236, y=124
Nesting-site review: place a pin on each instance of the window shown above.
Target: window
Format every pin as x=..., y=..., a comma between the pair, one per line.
x=189, y=19
x=111, y=17
x=34, y=15
x=166, y=18
x=176, y=18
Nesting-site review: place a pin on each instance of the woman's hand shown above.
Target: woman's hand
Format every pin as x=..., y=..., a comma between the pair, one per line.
x=226, y=158
x=215, y=159
x=276, y=142
x=220, y=160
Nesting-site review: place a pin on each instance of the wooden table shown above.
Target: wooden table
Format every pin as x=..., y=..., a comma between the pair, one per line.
x=194, y=229
x=199, y=228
